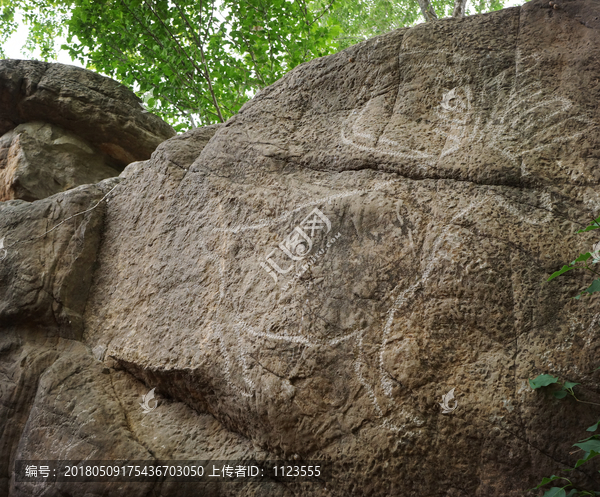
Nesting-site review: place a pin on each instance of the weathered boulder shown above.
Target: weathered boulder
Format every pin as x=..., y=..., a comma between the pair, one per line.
x=59, y=398
x=81, y=410
x=369, y=233
x=97, y=109
x=48, y=253
x=39, y=159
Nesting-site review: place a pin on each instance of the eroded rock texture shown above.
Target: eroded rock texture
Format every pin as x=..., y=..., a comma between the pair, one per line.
x=49, y=249
x=39, y=159
x=97, y=109
x=370, y=232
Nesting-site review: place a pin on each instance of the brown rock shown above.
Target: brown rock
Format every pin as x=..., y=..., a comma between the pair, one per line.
x=449, y=181
x=49, y=252
x=58, y=399
x=79, y=413
x=358, y=242
x=96, y=108
x=38, y=160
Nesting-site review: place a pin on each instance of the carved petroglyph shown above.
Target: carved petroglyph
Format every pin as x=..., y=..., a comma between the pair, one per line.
x=511, y=114
x=404, y=297
x=315, y=226
x=445, y=239
x=463, y=115
x=368, y=367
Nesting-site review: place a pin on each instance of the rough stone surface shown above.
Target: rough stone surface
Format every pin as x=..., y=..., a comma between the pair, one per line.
x=48, y=256
x=39, y=159
x=98, y=109
x=81, y=410
x=370, y=232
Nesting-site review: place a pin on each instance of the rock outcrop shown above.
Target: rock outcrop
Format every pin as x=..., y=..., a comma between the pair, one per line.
x=307, y=281
x=49, y=251
x=97, y=109
x=39, y=159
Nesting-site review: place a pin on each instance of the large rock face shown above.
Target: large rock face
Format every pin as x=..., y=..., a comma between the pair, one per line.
x=370, y=232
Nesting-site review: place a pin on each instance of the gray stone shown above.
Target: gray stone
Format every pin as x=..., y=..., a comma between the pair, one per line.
x=39, y=159
x=311, y=279
x=98, y=109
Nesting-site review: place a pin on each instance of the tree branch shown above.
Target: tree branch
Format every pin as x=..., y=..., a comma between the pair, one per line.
x=200, y=47
x=323, y=12
x=459, y=8
x=427, y=10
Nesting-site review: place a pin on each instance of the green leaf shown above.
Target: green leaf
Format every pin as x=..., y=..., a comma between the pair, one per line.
x=594, y=287
x=547, y=480
x=594, y=427
x=563, y=270
x=561, y=394
x=582, y=258
x=588, y=456
x=569, y=385
x=542, y=380
x=555, y=492
x=594, y=226
x=590, y=445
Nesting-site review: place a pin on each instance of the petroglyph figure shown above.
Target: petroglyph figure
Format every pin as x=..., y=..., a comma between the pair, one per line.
x=506, y=116
x=510, y=114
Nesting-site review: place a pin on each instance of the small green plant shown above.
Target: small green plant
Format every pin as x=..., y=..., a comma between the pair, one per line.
x=583, y=262
x=591, y=445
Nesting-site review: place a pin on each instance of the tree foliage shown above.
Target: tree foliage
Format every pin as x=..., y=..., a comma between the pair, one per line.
x=196, y=58
x=195, y=62
x=46, y=20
